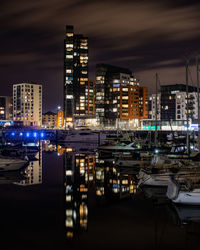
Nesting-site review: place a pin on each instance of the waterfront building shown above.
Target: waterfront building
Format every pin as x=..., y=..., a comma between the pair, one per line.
x=60, y=119
x=33, y=173
x=49, y=120
x=90, y=98
x=75, y=74
x=27, y=103
x=120, y=101
x=6, y=108
x=172, y=108
x=169, y=99
x=152, y=107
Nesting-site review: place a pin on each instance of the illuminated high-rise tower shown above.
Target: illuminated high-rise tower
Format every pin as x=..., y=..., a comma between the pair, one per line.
x=75, y=73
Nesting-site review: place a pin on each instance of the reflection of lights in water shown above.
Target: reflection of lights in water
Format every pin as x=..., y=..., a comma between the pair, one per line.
x=91, y=178
x=68, y=198
x=69, y=222
x=124, y=182
x=74, y=215
x=115, y=190
x=83, y=211
x=84, y=196
x=82, y=170
x=100, y=191
x=68, y=188
x=70, y=235
x=69, y=212
x=83, y=188
x=68, y=150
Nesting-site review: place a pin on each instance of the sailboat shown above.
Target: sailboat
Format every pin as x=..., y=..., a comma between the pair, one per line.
x=187, y=190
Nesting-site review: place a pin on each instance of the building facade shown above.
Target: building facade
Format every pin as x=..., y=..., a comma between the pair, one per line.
x=6, y=111
x=169, y=94
x=172, y=107
x=152, y=107
x=90, y=93
x=75, y=73
x=49, y=120
x=27, y=103
x=120, y=101
x=60, y=119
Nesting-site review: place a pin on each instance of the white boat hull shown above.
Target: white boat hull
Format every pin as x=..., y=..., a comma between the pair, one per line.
x=153, y=179
x=183, y=196
x=189, y=198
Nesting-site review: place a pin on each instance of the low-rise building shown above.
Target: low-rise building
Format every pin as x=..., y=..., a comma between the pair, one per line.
x=49, y=120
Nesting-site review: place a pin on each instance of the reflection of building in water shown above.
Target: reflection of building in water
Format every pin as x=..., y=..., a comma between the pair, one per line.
x=110, y=182
x=48, y=147
x=79, y=176
x=82, y=174
x=33, y=173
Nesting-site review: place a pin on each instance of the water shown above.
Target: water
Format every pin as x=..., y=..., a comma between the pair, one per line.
x=74, y=200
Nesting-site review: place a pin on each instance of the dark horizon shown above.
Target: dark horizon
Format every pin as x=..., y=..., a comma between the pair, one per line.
x=145, y=37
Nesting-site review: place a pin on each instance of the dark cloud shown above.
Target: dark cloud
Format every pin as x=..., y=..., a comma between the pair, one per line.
x=145, y=36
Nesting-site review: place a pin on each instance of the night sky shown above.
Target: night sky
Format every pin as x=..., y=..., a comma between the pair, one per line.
x=145, y=36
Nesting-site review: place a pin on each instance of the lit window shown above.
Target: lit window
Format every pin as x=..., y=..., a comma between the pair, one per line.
x=69, y=56
x=69, y=45
x=69, y=96
x=69, y=34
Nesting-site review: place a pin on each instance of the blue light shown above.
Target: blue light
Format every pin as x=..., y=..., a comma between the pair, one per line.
x=27, y=134
x=13, y=133
x=42, y=134
x=35, y=134
x=21, y=134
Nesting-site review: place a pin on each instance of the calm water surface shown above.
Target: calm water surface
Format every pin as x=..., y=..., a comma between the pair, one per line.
x=74, y=200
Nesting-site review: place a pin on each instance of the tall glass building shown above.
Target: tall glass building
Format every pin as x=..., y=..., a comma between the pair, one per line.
x=75, y=74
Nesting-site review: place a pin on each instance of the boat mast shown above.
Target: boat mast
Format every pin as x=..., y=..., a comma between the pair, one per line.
x=156, y=125
x=198, y=118
x=187, y=109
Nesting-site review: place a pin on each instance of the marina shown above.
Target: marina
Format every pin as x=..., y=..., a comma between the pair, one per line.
x=100, y=125
x=73, y=197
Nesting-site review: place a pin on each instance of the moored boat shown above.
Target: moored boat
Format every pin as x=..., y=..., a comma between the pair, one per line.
x=184, y=191
x=82, y=136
